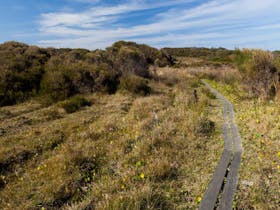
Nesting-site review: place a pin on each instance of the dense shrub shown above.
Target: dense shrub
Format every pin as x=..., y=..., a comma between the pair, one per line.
x=259, y=71
x=130, y=57
x=219, y=55
x=57, y=86
x=21, y=70
x=164, y=59
x=106, y=79
x=56, y=74
x=135, y=84
x=75, y=103
x=131, y=60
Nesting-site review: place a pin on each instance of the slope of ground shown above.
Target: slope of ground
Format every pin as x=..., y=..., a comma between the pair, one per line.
x=122, y=152
x=258, y=122
x=259, y=182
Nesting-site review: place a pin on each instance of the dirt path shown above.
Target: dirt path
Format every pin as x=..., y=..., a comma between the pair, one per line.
x=221, y=190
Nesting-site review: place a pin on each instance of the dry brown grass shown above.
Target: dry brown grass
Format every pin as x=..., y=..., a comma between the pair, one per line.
x=123, y=152
x=226, y=74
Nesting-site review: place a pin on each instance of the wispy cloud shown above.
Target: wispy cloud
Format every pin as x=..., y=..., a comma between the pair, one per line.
x=173, y=23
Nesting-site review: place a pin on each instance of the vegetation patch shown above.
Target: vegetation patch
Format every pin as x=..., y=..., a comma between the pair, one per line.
x=57, y=74
x=135, y=85
x=205, y=127
x=259, y=71
x=258, y=122
x=99, y=157
x=75, y=103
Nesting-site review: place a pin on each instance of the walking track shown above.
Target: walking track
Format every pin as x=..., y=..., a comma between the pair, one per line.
x=221, y=190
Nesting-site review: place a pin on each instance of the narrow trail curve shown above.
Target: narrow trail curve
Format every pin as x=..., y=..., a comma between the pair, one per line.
x=221, y=189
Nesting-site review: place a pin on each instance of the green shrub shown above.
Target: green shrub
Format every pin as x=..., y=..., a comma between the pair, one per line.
x=63, y=81
x=135, y=84
x=164, y=59
x=57, y=74
x=204, y=127
x=259, y=71
x=75, y=103
x=57, y=86
x=21, y=71
x=131, y=60
x=214, y=55
x=106, y=79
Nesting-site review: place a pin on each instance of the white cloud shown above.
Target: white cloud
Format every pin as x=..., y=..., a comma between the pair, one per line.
x=99, y=26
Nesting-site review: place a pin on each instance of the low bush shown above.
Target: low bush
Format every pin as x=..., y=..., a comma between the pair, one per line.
x=135, y=85
x=52, y=114
x=75, y=103
x=259, y=72
x=204, y=127
x=56, y=86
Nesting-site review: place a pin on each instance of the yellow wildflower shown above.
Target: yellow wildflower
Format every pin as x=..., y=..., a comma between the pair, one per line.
x=198, y=199
x=142, y=176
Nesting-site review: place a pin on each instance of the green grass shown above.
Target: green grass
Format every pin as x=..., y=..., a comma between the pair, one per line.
x=259, y=124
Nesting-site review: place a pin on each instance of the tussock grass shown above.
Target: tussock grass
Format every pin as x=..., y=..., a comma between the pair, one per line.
x=75, y=103
x=123, y=152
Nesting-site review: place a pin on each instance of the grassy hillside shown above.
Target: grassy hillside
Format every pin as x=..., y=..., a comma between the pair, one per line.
x=253, y=88
x=259, y=125
x=119, y=151
x=130, y=127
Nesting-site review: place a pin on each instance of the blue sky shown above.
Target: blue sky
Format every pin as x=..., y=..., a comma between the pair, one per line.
x=177, y=23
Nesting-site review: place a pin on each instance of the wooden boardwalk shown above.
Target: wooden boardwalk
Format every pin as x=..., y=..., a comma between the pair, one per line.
x=221, y=189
